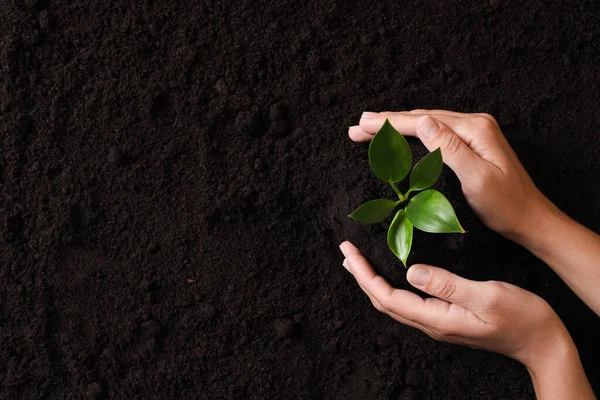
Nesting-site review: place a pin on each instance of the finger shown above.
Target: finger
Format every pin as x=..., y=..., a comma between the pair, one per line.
x=401, y=302
x=455, y=152
x=432, y=316
x=402, y=122
x=445, y=317
x=420, y=111
x=375, y=303
x=480, y=138
x=453, y=114
x=358, y=135
x=446, y=286
x=481, y=141
x=397, y=317
x=413, y=324
x=405, y=123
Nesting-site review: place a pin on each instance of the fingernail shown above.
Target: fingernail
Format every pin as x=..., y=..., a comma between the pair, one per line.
x=418, y=276
x=428, y=127
x=369, y=114
x=342, y=248
x=346, y=265
x=354, y=129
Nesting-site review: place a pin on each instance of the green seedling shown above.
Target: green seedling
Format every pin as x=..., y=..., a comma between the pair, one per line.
x=390, y=159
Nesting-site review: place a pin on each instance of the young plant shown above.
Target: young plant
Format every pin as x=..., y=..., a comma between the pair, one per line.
x=430, y=211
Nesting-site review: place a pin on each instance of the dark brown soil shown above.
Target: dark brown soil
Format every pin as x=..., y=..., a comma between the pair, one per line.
x=175, y=180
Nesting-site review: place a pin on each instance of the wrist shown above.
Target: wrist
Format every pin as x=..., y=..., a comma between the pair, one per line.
x=558, y=374
x=551, y=356
x=540, y=219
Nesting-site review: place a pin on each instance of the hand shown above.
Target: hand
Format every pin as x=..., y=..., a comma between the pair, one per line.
x=493, y=180
x=494, y=316
x=491, y=315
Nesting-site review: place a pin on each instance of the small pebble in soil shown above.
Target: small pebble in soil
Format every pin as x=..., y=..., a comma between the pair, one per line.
x=285, y=328
x=206, y=311
x=278, y=112
x=94, y=390
x=151, y=328
x=91, y=375
x=280, y=129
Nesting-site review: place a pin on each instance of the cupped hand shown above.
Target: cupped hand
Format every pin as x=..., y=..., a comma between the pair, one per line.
x=493, y=180
x=494, y=316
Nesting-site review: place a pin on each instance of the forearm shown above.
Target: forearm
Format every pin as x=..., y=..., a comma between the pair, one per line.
x=560, y=375
x=570, y=249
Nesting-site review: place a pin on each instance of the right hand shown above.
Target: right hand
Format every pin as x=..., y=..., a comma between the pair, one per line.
x=494, y=316
x=493, y=180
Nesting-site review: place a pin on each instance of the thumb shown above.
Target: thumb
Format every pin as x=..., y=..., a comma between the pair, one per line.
x=456, y=154
x=443, y=285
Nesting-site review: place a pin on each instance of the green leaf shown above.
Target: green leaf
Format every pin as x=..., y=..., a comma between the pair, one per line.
x=400, y=235
x=427, y=171
x=430, y=211
x=374, y=211
x=389, y=154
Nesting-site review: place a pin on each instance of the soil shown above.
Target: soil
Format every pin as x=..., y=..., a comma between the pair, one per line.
x=176, y=178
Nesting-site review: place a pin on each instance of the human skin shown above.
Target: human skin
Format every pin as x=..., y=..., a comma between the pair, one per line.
x=491, y=315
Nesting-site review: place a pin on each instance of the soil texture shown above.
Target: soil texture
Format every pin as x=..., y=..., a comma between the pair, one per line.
x=175, y=178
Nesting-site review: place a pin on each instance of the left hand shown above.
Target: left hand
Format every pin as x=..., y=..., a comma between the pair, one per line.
x=493, y=180
x=494, y=316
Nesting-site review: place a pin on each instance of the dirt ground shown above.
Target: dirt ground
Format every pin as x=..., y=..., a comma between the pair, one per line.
x=176, y=178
